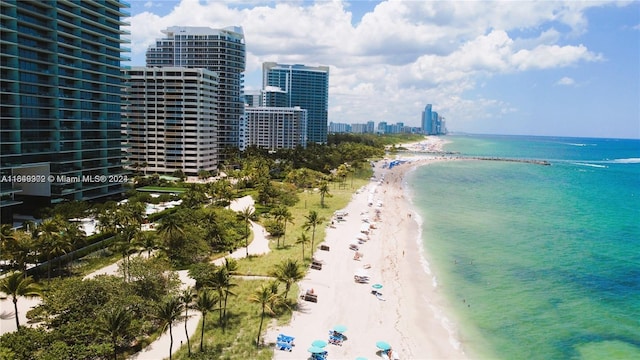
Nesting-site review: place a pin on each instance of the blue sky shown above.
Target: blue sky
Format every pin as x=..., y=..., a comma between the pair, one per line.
x=513, y=67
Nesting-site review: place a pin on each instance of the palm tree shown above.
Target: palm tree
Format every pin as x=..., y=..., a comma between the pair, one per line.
x=286, y=218
x=246, y=215
x=278, y=214
x=221, y=282
x=313, y=220
x=324, y=191
x=16, y=285
x=283, y=215
x=167, y=312
x=288, y=272
x=171, y=228
x=266, y=299
x=48, y=235
x=76, y=236
x=205, y=303
x=116, y=323
x=303, y=239
x=146, y=241
x=187, y=297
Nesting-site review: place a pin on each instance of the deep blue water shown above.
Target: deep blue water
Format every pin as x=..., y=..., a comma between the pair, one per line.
x=539, y=262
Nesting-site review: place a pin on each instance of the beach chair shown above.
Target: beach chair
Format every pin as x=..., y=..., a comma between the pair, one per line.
x=334, y=340
x=284, y=346
x=286, y=339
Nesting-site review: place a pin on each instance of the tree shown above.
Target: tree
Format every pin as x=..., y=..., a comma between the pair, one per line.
x=282, y=215
x=313, y=220
x=146, y=241
x=324, y=191
x=116, y=323
x=205, y=303
x=167, y=312
x=221, y=282
x=50, y=240
x=187, y=296
x=19, y=249
x=303, y=239
x=246, y=215
x=288, y=272
x=171, y=228
x=264, y=297
x=16, y=285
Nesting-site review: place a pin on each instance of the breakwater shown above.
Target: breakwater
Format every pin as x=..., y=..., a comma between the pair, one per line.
x=527, y=161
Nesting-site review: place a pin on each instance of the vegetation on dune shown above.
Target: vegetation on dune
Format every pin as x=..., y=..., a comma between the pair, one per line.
x=110, y=317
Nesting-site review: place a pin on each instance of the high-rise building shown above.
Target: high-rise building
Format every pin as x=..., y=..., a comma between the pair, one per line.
x=60, y=88
x=276, y=127
x=306, y=87
x=171, y=118
x=219, y=50
x=427, y=120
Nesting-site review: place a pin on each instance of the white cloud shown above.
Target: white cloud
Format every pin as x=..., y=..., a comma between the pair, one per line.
x=566, y=81
x=401, y=55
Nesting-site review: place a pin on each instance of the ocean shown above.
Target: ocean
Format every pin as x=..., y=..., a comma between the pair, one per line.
x=537, y=262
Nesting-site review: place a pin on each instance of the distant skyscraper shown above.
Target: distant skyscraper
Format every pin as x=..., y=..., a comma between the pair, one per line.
x=172, y=117
x=60, y=87
x=427, y=123
x=219, y=50
x=306, y=87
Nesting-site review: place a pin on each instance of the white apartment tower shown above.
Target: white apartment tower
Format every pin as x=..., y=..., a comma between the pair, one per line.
x=171, y=116
x=276, y=127
x=220, y=50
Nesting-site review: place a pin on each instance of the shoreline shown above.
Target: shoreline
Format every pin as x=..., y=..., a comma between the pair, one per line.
x=411, y=315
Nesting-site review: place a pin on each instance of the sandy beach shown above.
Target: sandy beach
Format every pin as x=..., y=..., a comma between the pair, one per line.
x=409, y=315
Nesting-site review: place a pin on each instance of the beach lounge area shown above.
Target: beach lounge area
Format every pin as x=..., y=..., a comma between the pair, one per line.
x=372, y=282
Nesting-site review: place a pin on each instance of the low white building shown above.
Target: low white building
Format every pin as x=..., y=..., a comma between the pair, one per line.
x=276, y=127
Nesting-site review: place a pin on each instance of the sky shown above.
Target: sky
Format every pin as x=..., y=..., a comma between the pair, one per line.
x=546, y=68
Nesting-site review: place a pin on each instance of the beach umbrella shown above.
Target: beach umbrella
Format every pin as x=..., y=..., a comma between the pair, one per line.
x=319, y=343
x=315, y=350
x=361, y=358
x=383, y=345
x=340, y=328
x=377, y=286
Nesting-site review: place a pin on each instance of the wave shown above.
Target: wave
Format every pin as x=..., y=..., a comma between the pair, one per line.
x=579, y=144
x=627, y=161
x=590, y=165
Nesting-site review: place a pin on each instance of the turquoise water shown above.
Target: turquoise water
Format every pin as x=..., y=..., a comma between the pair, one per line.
x=539, y=262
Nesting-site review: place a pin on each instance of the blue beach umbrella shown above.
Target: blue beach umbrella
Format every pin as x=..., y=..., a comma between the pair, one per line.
x=340, y=328
x=315, y=350
x=377, y=286
x=319, y=343
x=383, y=345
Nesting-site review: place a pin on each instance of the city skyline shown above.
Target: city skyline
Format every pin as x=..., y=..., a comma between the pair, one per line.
x=537, y=68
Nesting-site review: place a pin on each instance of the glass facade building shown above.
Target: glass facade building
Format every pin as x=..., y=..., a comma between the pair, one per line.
x=303, y=86
x=60, y=99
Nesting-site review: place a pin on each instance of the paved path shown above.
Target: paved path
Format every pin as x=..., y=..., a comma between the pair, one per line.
x=159, y=349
